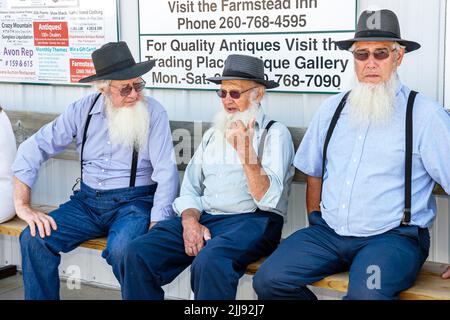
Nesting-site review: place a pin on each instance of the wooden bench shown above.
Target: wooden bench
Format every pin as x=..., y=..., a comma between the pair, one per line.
x=429, y=284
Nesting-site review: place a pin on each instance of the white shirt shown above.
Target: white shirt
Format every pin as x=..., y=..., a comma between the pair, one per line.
x=8, y=147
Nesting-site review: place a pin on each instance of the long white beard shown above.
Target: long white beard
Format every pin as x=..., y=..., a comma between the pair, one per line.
x=373, y=103
x=223, y=119
x=128, y=126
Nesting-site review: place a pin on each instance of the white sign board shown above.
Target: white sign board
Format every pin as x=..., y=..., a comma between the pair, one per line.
x=191, y=39
x=47, y=43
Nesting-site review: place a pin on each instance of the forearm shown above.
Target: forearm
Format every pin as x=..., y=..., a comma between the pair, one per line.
x=313, y=190
x=257, y=180
x=22, y=194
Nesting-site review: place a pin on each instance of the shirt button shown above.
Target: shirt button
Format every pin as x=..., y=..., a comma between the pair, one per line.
x=106, y=160
x=109, y=142
x=360, y=137
x=354, y=160
x=343, y=206
x=342, y=228
x=103, y=170
x=348, y=183
x=216, y=195
x=99, y=183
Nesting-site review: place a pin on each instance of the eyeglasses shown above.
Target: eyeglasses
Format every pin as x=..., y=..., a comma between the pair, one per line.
x=378, y=54
x=125, y=91
x=234, y=94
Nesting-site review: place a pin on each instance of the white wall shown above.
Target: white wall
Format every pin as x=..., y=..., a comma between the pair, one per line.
x=422, y=21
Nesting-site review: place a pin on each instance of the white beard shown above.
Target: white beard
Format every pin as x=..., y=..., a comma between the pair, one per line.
x=128, y=126
x=223, y=119
x=373, y=103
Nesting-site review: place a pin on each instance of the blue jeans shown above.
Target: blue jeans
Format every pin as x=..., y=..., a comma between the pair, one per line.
x=380, y=266
x=155, y=259
x=121, y=214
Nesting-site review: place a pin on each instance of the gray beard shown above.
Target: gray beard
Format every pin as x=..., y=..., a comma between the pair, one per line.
x=128, y=126
x=373, y=103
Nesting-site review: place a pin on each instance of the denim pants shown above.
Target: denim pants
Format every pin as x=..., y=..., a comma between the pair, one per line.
x=155, y=259
x=121, y=214
x=379, y=266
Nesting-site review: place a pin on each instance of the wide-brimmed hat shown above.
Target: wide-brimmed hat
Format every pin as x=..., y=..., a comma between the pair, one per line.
x=381, y=25
x=114, y=61
x=242, y=67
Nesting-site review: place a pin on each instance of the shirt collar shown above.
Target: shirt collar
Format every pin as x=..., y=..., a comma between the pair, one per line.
x=399, y=86
x=98, y=105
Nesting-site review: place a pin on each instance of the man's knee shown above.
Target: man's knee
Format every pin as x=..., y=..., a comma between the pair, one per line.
x=207, y=260
x=265, y=282
x=27, y=241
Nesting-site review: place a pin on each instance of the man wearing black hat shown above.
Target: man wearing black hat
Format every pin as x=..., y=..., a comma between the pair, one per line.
x=233, y=197
x=378, y=152
x=129, y=178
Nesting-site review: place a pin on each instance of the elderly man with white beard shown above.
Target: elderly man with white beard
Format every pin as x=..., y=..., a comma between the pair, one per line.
x=129, y=177
x=232, y=201
x=372, y=161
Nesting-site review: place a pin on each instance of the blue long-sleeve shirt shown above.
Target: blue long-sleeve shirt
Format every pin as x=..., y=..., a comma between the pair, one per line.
x=364, y=181
x=106, y=166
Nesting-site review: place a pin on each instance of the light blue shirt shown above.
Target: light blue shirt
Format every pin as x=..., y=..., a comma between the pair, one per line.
x=364, y=181
x=106, y=166
x=215, y=181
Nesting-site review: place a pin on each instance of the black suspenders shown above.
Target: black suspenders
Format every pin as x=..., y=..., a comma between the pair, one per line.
x=408, y=152
x=135, y=152
x=262, y=141
x=408, y=157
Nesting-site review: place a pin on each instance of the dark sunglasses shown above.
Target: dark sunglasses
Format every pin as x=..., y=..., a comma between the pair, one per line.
x=234, y=94
x=125, y=91
x=378, y=54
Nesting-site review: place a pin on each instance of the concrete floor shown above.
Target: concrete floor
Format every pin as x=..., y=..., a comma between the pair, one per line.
x=12, y=289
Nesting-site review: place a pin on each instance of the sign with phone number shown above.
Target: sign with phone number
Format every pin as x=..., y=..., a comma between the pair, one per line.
x=190, y=41
x=52, y=42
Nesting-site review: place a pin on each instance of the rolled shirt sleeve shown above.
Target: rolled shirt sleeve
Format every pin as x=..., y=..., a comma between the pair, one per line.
x=277, y=163
x=50, y=140
x=165, y=171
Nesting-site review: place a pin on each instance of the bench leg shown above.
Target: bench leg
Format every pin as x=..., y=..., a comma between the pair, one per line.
x=7, y=271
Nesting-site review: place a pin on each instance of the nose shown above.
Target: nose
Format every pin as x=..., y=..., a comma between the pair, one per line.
x=228, y=98
x=133, y=94
x=371, y=62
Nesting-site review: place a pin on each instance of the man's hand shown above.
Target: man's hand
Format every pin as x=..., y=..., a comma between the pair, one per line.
x=240, y=137
x=194, y=234
x=34, y=218
x=152, y=224
x=446, y=273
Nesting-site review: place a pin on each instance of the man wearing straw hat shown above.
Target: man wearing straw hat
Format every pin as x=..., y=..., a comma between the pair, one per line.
x=232, y=201
x=129, y=178
x=372, y=158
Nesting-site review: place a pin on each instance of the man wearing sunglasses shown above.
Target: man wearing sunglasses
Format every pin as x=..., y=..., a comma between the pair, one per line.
x=128, y=180
x=232, y=201
x=372, y=158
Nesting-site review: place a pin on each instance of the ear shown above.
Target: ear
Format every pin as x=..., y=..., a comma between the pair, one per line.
x=260, y=95
x=400, y=55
